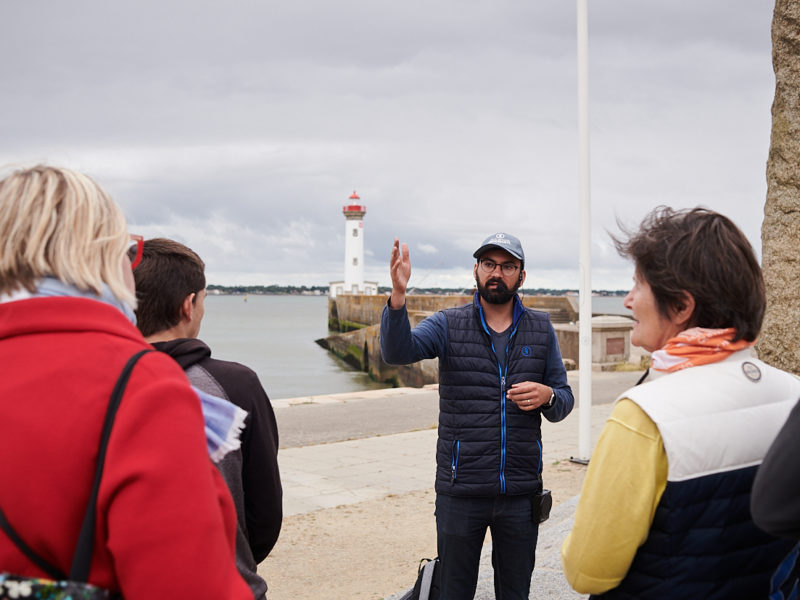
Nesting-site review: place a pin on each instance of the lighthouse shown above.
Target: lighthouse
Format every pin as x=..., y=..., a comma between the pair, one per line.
x=353, y=283
x=354, y=213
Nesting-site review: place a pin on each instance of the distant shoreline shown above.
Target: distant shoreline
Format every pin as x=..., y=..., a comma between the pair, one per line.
x=319, y=290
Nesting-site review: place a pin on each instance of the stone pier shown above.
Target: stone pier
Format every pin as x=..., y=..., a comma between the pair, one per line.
x=356, y=318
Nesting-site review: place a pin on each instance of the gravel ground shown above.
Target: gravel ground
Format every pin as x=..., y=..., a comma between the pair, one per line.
x=370, y=550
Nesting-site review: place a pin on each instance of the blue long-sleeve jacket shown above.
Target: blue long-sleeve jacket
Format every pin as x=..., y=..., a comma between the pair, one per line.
x=487, y=445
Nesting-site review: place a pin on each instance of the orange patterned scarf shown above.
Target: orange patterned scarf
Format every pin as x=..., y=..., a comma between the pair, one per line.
x=697, y=346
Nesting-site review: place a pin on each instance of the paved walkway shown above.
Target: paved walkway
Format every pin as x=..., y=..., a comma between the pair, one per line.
x=348, y=472
x=329, y=475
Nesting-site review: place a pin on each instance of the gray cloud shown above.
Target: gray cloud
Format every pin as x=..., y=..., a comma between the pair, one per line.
x=241, y=128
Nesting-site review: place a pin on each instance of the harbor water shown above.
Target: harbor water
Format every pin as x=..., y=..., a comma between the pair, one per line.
x=275, y=336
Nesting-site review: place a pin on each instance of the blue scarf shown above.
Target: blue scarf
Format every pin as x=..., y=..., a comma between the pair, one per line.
x=51, y=287
x=224, y=420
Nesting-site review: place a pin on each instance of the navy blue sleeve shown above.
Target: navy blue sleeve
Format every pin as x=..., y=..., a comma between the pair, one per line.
x=555, y=376
x=774, y=501
x=400, y=345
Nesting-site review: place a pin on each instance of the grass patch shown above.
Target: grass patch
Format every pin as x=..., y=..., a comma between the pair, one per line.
x=643, y=364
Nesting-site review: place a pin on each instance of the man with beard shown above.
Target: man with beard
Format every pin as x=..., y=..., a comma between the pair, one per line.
x=500, y=370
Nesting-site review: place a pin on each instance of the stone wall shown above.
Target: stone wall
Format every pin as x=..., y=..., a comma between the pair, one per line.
x=568, y=340
x=611, y=340
x=360, y=346
x=779, y=343
x=361, y=349
x=347, y=312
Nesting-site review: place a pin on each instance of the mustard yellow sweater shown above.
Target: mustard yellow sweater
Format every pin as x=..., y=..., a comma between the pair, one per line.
x=624, y=483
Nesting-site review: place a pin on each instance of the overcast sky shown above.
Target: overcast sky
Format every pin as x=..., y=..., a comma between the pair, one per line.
x=241, y=127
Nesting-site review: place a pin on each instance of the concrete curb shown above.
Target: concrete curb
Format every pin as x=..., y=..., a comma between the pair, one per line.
x=351, y=396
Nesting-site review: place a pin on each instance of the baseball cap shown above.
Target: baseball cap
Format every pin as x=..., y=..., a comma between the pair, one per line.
x=504, y=241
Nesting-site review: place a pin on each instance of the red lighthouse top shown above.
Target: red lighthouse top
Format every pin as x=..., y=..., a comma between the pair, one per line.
x=355, y=209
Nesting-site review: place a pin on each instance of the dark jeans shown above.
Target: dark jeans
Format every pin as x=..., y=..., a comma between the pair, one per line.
x=461, y=524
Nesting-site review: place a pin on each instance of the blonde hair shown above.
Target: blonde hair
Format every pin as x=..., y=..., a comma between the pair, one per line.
x=59, y=223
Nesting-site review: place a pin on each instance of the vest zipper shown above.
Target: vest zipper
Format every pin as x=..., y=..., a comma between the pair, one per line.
x=539, y=472
x=502, y=431
x=502, y=372
x=454, y=461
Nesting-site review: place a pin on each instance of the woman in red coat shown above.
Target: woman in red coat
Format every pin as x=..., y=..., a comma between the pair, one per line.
x=165, y=521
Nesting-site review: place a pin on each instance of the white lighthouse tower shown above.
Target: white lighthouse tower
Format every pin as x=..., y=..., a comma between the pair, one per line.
x=354, y=244
x=353, y=282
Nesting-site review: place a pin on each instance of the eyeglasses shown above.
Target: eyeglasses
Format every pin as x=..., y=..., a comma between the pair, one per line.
x=137, y=242
x=488, y=266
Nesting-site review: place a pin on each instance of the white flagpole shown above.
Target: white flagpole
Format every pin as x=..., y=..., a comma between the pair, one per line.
x=585, y=261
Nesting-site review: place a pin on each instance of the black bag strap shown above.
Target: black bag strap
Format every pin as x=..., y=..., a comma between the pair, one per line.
x=44, y=565
x=82, y=559
x=426, y=583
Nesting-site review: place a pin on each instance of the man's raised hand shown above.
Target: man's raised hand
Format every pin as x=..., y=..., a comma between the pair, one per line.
x=400, y=269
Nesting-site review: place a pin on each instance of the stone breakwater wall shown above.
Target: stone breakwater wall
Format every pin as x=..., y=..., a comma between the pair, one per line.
x=348, y=312
x=357, y=319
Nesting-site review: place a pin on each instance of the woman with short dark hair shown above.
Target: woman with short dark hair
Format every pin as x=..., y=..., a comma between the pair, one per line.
x=664, y=510
x=700, y=254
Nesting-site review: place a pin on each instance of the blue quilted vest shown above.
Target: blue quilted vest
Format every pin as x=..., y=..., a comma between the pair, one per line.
x=487, y=446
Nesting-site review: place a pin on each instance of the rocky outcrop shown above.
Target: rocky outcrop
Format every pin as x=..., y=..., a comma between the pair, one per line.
x=779, y=343
x=361, y=349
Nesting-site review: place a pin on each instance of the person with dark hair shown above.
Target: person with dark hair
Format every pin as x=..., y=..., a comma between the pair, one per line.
x=664, y=509
x=500, y=372
x=775, y=502
x=776, y=491
x=170, y=287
